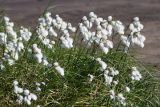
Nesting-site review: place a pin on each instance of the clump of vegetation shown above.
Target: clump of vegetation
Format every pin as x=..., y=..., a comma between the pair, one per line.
x=57, y=64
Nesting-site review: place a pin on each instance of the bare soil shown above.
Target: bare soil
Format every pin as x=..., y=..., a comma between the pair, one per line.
x=26, y=12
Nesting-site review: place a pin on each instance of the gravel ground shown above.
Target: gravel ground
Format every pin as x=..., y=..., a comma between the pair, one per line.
x=26, y=12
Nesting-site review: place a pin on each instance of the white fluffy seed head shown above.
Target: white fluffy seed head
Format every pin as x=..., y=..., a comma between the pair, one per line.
x=112, y=94
x=135, y=74
x=26, y=92
x=38, y=57
x=18, y=90
x=38, y=89
x=20, y=97
x=84, y=18
x=121, y=99
x=115, y=82
x=56, y=64
x=34, y=46
x=98, y=59
x=108, y=79
x=29, y=97
x=6, y=19
x=33, y=96
x=19, y=101
x=43, y=83
x=136, y=18
x=127, y=89
x=109, y=18
x=28, y=102
x=38, y=84
x=45, y=62
x=60, y=70
x=90, y=77
x=15, y=82
x=11, y=61
x=91, y=14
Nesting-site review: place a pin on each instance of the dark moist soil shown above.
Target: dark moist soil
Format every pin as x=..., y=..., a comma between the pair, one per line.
x=26, y=12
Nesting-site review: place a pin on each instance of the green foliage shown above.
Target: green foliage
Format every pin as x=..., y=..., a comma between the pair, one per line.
x=74, y=89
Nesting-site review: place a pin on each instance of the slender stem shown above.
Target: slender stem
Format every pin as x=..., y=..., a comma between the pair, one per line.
x=74, y=44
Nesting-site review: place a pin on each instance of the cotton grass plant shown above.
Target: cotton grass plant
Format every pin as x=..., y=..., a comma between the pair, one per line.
x=57, y=64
